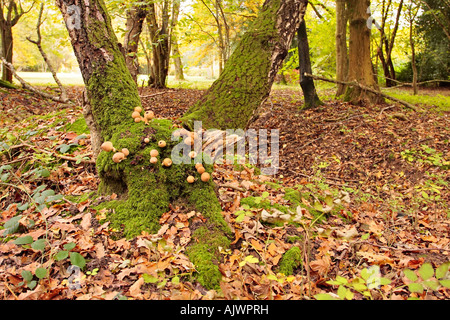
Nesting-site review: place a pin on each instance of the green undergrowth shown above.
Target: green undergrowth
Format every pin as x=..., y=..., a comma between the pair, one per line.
x=146, y=190
x=291, y=260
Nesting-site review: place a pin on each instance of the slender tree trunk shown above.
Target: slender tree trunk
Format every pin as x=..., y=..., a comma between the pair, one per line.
x=176, y=56
x=413, y=51
x=247, y=78
x=341, y=46
x=135, y=20
x=161, y=47
x=360, y=63
x=307, y=83
x=144, y=190
x=7, y=51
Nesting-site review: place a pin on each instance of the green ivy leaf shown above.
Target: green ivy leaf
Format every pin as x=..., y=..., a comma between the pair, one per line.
x=411, y=275
x=38, y=244
x=24, y=240
x=415, y=287
x=69, y=246
x=27, y=275
x=442, y=270
x=41, y=273
x=77, y=260
x=61, y=255
x=149, y=279
x=426, y=271
x=324, y=296
x=445, y=283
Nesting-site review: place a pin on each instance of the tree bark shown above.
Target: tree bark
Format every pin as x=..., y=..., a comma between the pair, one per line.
x=341, y=46
x=247, y=78
x=13, y=13
x=176, y=56
x=307, y=83
x=135, y=20
x=360, y=63
x=159, y=35
x=144, y=190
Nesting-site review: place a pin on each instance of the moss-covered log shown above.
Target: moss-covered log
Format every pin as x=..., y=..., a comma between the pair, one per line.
x=249, y=73
x=144, y=190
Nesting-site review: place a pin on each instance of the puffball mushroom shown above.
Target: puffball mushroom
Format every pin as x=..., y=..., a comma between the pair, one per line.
x=138, y=119
x=153, y=160
x=189, y=141
x=118, y=157
x=149, y=115
x=161, y=143
x=190, y=179
x=138, y=109
x=192, y=154
x=198, y=165
x=146, y=140
x=167, y=162
x=125, y=152
x=200, y=169
x=108, y=146
x=154, y=153
x=205, y=176
x=135, y=115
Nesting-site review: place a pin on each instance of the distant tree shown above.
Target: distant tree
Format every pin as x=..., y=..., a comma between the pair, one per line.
x=341, y=46
x=360, y=63
x=10, y=13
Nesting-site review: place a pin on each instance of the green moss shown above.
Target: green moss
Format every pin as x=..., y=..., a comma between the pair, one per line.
x=291, y=260
x=79, y=126
x=204, y=253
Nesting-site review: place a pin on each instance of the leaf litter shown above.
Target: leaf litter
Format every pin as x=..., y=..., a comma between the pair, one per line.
x=355, y=173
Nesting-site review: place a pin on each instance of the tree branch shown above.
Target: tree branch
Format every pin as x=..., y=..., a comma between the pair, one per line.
x=356, y=84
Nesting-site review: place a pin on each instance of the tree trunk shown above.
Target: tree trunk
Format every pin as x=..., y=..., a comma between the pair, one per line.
x=176, y=56
x=135, y=19
x=360, y=64
x=248, y=76
x=341, y=46
x=7, y=51
x=307, y=83
x=144, y=190
x=161, y=47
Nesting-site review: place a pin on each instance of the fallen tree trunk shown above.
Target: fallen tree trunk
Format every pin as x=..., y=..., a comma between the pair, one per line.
x=28, y=86
x=356, y=84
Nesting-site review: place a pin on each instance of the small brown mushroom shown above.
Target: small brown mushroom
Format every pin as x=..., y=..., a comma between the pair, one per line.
x=205, y=176
x=167, y=162
x=135, y=115
x=108, y=146
x=154, y=153
x=153, y=160
x=200, y=169
x=118, y=157
x=125, y=152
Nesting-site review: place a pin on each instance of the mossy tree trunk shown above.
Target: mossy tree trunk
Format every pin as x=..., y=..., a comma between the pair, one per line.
x=307, y=83
x=360, y=63
x=144, y=190
x=247, y=78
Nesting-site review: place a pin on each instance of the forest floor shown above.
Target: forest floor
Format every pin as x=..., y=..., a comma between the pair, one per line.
x=368, y=186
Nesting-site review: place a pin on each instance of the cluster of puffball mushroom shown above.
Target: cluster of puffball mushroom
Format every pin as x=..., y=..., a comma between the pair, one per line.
x=189, y=139
x=118, y=156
